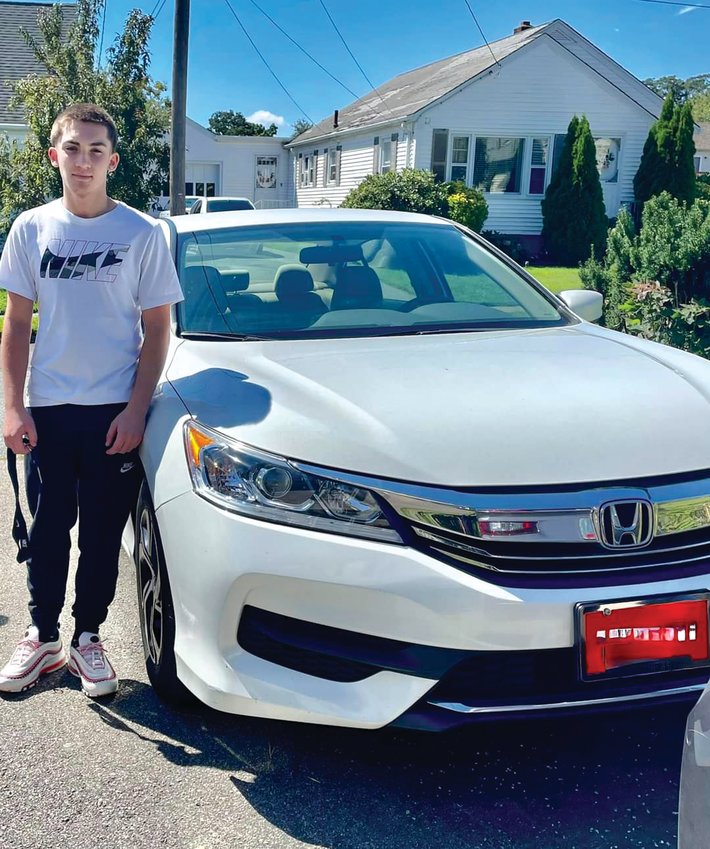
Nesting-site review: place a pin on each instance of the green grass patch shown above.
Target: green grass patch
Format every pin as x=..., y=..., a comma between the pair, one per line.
x=556, y=279
x=3, y=301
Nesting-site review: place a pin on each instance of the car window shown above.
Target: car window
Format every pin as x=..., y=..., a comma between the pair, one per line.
x=351, y=278
x=226, y=205
x=196, y=207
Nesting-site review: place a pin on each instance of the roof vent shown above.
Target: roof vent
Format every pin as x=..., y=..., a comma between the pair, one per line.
x=335, y=120
x=523, y=26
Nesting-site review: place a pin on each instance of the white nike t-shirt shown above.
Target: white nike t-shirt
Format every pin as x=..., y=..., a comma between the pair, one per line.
x=91, y=277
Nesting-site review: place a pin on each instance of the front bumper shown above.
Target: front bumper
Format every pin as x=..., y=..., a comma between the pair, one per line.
x=286, y=623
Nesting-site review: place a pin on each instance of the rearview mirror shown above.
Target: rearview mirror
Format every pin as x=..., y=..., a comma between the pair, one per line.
x=584, y=303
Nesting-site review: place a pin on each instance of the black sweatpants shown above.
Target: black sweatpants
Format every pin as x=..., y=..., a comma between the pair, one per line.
x=69, y=474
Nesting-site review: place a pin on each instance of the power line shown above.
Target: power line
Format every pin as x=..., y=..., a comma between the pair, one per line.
x=481, y=31
x=369, y=82
x=103, y=30
x=156, y=11
x=303, y=50
x=268, y=67
x=675, y=3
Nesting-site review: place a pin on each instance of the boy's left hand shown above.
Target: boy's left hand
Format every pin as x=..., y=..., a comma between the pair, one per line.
x=126, y=432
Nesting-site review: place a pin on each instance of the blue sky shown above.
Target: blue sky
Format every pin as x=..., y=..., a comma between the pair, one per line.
x=648, y=39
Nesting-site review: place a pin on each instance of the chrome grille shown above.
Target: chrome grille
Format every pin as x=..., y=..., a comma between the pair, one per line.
x=648, y=525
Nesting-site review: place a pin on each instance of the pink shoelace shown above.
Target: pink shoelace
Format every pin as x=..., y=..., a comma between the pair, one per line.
x=94, y=654
x=23, y=650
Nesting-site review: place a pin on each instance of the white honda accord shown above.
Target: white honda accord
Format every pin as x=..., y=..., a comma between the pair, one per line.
x=390, y=479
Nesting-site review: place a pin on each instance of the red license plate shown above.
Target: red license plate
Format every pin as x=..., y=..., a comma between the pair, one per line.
x=640, y=636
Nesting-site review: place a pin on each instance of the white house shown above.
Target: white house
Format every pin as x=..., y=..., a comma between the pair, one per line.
x=255, y=167
x=494, y=118
x=702, y=149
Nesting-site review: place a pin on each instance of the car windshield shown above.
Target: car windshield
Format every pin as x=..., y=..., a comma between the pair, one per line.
x=189, y=203
x=228, y=205
x=350, y=279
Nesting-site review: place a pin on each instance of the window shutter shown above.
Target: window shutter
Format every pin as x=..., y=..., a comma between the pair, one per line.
x=325, y=166
x=339, y=150
x=376, y=155
x=439, y=150
x=395, y=140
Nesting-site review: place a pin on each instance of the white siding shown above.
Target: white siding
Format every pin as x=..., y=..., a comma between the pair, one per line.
x=535, y=93
x=356, y=162
x=233, y=159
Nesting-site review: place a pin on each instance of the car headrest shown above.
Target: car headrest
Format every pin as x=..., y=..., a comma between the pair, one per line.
x=198, y=279
x=357, y=287
x=292, y=281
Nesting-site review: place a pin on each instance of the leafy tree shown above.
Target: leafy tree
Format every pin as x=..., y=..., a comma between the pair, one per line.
x=300, y=125
x=122, y=86
x=574, y=218
x=667, y=160
x=233, y=123
x=680, y=90
x=701, y=107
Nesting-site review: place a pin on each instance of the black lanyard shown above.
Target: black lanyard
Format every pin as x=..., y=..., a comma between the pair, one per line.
x=19, y=526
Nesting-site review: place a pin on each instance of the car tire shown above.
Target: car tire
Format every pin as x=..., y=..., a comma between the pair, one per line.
x=155, y=606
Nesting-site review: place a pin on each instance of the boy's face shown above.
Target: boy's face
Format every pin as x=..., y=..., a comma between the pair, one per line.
x=84, y=157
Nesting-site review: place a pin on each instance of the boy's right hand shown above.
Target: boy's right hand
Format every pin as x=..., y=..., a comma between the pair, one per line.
x=19, y=422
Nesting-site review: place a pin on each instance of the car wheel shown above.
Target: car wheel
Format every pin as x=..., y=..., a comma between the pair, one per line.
x=155, y=606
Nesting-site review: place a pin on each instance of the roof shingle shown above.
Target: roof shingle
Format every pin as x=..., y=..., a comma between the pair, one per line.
x=16, y=58
x=407, y=93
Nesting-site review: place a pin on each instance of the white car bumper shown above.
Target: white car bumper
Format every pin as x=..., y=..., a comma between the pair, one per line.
x=226, y=569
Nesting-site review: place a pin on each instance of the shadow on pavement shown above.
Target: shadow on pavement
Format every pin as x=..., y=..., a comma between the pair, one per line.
x=544, y=783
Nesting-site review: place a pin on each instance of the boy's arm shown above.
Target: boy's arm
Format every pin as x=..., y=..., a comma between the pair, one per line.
x=15, y=352
x=126, y=430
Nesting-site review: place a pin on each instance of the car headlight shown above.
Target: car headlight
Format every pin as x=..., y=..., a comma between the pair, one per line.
x=265, y=486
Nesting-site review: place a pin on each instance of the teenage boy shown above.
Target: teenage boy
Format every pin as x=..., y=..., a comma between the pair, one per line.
x=104, y=280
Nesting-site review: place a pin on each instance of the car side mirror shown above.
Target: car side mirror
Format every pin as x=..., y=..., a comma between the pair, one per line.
x=584, y=303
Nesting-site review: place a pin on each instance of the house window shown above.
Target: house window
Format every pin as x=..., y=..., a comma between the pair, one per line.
x=439, y=149
x=308, y=169
x=266, y=167
x=385, y=154
x=608, y=159
x=204, y=190
x=331, y=176
x=189, y=189
x=498, y=164
x=459, y=158
x=539, y=158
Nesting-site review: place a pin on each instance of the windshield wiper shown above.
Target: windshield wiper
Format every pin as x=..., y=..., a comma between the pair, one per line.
x=222, y=336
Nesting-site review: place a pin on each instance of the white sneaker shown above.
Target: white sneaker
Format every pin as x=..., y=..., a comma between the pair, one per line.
x=89, y=662
x=30, y=660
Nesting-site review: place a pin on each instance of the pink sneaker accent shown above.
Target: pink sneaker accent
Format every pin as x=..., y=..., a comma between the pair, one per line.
x=30, y=660
x=90, y=662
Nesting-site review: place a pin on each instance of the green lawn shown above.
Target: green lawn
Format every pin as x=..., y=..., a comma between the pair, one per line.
x=556, y=279
x=3, y=301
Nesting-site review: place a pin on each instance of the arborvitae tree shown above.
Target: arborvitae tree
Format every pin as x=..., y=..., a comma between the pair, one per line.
x=652, y=176
x=574, y=218
x=684, y=173
x=667, y=161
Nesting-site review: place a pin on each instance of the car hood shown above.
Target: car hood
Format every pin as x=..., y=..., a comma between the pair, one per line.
x=565, y=405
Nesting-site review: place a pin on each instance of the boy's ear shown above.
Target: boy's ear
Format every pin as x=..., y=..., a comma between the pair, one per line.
x=113, y=162
x=52, y=153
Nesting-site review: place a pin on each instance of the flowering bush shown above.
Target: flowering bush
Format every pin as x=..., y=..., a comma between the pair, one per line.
x=651, y=313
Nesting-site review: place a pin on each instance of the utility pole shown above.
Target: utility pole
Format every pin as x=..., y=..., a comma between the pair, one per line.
x=178, y=120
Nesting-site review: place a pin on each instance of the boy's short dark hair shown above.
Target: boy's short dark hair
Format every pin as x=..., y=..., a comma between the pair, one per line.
x=88, y=112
